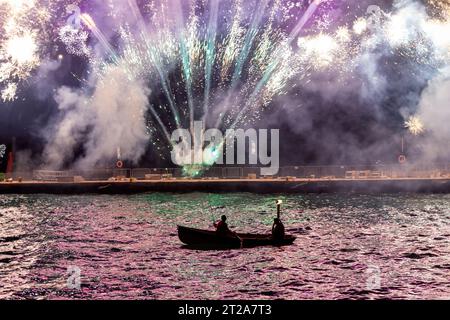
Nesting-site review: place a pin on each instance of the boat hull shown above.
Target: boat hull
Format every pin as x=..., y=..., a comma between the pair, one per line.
x=196, y=238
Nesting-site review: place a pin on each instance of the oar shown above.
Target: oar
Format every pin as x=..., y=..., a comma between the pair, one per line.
x=240, y=239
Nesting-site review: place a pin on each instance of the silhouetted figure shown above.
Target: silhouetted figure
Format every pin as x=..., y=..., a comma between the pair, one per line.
x=223, y=230
x=222, y=226
x=278, y=230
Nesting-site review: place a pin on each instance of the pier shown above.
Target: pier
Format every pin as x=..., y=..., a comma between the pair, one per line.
x=299, y=179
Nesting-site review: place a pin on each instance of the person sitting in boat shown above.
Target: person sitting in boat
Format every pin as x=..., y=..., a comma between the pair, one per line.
x=278, y=230
x=222, y=226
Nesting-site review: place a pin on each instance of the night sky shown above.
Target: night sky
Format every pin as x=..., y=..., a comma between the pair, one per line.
x=330, y=117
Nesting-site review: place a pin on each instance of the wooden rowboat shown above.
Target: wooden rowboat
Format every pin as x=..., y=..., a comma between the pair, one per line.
x=204, y=239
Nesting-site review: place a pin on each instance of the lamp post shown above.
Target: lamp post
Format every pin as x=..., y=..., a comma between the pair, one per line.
x=279, y=203
x=402, y=156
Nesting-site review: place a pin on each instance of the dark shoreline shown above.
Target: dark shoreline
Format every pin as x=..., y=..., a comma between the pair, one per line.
x=233, y=185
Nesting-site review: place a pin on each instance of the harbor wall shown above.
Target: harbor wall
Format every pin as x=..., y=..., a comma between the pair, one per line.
x=229, y=185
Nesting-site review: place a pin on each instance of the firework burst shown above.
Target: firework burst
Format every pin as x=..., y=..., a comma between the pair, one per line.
x=26, y=31
x=415, y=125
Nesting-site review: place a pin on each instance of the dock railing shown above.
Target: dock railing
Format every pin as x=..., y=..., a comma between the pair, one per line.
x=287, y=172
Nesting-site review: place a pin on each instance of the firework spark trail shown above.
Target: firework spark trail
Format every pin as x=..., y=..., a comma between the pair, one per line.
x=264, y=46
x=232, y=42
x=90, y=23
x=268, y=73
x=155, y=62
x=186, y=62
x=305, y=18
x=210, y=53
x=248, y=43
x=161, y=124
x=151, y=107
x=243, y=55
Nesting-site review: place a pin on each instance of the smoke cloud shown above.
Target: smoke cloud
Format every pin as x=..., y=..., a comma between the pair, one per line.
x=111, y=117
x=434, y=110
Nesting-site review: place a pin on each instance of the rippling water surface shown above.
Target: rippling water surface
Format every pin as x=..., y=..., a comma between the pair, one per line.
x=126, y=247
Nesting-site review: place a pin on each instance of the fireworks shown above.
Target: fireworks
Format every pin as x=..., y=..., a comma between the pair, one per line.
x=397, y=31
x=359, y=26
x=24, y=26
x=18, y=5
x=343, y=34
x=415, y=125
x=9, y=92
x=209, y=58
x=213, y=60
x=75, y=40
x=22, y=49
x=320, y=49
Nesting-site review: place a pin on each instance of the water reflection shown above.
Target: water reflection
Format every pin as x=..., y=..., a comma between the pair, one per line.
x=348, y=246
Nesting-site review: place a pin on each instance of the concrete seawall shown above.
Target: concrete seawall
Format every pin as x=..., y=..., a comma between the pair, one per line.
x=232, y=185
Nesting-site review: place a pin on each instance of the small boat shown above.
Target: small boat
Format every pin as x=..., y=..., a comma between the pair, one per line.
x=205, y=239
